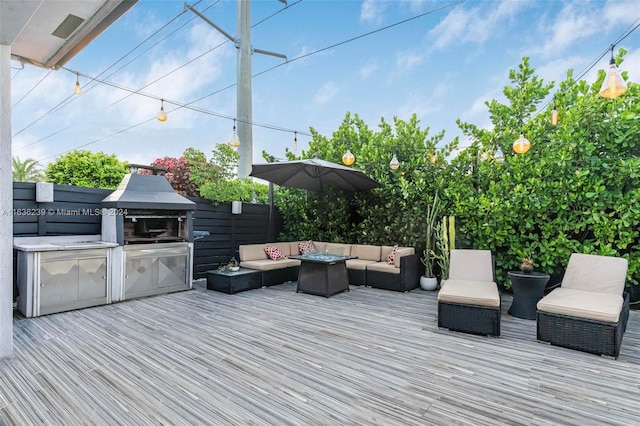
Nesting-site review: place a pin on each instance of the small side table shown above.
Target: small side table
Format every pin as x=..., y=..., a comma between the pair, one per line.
x=234, y=281
x=528, y=289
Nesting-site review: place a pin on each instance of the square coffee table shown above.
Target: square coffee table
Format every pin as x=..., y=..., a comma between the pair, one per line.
x=234, y=281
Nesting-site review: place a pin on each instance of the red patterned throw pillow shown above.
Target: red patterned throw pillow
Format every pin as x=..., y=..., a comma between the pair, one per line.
x=392, y=255
x=307, y=247
x=274, y=253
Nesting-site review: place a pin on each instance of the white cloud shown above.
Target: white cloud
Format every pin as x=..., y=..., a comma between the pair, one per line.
x=372, y=11
x=474, y=25
x=325, y=94
x=367, y=70
x=407, y=60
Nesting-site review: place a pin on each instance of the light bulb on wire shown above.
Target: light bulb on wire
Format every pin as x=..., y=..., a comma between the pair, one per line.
x=348, y=158
x=295, y=141
x=161, y=116
x=554, y=113
x=394, y=163
x=613, y=84
x=77, y=90
x=521, y=145
x=234, y=142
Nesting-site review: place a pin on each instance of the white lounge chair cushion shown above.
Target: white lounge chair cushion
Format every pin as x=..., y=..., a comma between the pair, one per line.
x=475, y=265
x=582, y=304
x=469, y=292
x=600, y=274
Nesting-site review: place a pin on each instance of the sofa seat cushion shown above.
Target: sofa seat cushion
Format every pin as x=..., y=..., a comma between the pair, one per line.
x=604, y=307
x=269, y=265
x=468, y=292
x=383, y=267
x=366, y=252
x=358, y=264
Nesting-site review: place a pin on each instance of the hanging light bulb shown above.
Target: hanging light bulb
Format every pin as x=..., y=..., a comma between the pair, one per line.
x=234, y=141
x=613, y=84
x=295, y=141
x=554, y=113
x=394, y=163
x=432, y=158
x=522, y=144
x=499, y=157
x=161, y=116
x=77, y=90
x=348, y=158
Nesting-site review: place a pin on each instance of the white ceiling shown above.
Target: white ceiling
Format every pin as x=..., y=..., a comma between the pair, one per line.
x=27, y=25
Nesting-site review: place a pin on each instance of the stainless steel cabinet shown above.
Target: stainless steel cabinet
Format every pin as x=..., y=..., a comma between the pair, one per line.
x=155, y=269
x=71, y=279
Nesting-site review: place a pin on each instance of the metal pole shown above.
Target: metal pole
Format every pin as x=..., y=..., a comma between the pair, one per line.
x=245, y=131
x=6, y=206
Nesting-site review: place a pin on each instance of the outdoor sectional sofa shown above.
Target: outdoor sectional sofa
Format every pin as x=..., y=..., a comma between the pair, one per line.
x=370, y=268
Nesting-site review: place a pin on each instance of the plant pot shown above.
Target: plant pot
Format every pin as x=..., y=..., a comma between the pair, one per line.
x=234, y=268
x=428, y=283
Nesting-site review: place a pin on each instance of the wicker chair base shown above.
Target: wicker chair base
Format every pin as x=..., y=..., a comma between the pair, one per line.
x=473, y=319
x=596, y=337
x=357, y=276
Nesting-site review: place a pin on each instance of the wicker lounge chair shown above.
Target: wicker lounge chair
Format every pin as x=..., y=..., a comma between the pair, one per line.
x=469, y=301
x=589, y=312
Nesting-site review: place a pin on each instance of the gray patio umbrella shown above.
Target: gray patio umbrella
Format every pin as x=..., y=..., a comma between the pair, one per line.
x=313, y=174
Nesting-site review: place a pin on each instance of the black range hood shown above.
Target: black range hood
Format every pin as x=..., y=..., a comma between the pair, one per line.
x=140, y=191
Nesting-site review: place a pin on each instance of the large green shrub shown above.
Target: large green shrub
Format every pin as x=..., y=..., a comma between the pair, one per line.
x=85, y=168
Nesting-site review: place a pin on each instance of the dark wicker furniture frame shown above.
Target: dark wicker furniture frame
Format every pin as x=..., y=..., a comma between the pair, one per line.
x=407, y=279
x=597, y=337
x=473, y=319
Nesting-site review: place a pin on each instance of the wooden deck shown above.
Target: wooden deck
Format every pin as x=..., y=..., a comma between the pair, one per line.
x=271, y=356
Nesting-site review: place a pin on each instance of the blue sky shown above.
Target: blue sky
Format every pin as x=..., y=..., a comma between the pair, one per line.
x=441, y=66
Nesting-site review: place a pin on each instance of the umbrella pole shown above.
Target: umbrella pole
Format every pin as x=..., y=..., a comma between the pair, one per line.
x=270, y=232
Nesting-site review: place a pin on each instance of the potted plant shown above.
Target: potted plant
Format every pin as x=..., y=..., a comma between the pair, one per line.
x=445, y=235
x=429, y=281
x=232, y=266
x=527, y=265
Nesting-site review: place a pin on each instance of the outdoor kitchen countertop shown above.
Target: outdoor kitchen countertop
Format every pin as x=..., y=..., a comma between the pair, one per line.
x=73, y=242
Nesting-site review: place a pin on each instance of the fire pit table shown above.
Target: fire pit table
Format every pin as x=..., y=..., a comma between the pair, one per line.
x=322, y=274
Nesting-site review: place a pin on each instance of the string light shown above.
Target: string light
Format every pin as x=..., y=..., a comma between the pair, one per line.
x=77, y=90
x=522, y=144
x=348, y=158
x=161, y=116
x=613, y=84
x=394, y=163
x=295, y=141
x=554, y=113
x=234, y=141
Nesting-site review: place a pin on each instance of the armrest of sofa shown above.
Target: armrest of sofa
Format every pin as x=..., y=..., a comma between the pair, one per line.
x=410, y=270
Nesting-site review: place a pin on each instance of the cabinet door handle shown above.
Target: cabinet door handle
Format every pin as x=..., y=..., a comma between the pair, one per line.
x=41, y=284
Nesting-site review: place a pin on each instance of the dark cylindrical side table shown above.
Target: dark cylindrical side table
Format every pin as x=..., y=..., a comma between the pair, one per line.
x=528, y=289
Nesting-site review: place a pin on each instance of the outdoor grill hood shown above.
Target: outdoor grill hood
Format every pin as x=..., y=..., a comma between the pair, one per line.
x=153, y=192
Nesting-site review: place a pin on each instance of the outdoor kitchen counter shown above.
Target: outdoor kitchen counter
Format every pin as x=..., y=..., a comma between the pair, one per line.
x=55, y=243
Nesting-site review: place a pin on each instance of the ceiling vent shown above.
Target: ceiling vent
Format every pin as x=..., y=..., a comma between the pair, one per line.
x=68, y=26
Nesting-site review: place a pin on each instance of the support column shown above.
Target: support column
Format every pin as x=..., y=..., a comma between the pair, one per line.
x=6, y=206
x=243, y=94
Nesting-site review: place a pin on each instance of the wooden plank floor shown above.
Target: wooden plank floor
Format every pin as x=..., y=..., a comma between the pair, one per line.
x=271, y=356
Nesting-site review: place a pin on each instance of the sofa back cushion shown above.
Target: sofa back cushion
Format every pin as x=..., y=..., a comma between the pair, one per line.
x=402, y=251
x=602, y=274
x=252, y=252
x=366, y=252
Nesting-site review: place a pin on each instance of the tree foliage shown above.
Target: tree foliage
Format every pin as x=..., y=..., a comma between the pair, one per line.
x=88, y=169
x=26, y=171
x=576, y=190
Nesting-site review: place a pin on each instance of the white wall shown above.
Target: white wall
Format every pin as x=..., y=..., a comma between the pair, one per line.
x=6, y=205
